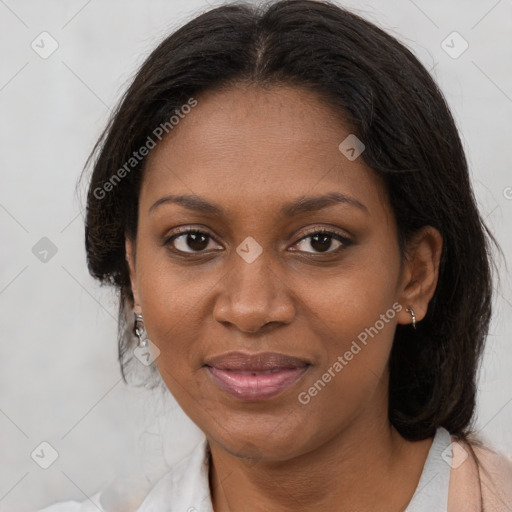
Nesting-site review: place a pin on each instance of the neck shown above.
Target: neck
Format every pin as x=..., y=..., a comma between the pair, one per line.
x=367, y=466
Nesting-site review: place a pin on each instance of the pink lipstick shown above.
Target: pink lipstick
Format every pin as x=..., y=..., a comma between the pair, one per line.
x=255, y=376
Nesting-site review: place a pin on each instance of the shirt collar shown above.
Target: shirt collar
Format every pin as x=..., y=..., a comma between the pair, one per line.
x=432, y=490
x=186, y=486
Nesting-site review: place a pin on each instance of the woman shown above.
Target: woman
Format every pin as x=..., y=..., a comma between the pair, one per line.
x=283, y=202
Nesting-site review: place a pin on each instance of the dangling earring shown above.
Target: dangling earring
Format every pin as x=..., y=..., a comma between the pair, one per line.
x=411, y=311
x=140, y=331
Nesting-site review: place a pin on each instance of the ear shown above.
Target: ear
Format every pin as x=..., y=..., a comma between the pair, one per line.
x=130, y=258
x=420, y=273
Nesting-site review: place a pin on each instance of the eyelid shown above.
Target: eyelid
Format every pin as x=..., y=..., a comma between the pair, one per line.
x=324, y=229
x=187, y=229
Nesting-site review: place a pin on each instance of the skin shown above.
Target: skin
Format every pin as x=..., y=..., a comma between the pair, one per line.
x=250, y=150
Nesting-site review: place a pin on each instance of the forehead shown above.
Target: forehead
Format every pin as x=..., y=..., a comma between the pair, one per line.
x=255, y=146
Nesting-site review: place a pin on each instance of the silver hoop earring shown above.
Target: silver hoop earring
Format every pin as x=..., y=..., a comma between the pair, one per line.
x=413, y=316
x=140, y=331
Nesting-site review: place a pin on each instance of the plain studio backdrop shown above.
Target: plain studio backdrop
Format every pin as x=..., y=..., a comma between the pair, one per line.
x=64, y=66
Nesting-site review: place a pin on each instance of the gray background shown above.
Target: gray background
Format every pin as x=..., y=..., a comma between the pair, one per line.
x=59, y=377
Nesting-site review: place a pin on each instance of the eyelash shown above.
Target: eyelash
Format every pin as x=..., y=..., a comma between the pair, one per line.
x=346, y=242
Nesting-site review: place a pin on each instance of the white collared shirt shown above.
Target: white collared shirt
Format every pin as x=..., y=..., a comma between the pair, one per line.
x=185, y=488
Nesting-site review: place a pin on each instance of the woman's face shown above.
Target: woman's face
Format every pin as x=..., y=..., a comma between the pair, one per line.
x=258, y=280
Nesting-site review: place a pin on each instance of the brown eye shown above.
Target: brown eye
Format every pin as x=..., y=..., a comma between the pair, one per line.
x=322, y=241
x=190, y=241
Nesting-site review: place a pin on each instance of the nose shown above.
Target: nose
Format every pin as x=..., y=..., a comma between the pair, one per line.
x=253, y=296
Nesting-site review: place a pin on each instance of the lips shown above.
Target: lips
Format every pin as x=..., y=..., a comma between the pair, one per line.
x=255, y=376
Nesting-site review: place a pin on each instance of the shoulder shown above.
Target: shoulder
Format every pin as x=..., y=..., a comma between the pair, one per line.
x=123, y=494
x=185, y=483
x=75, y=506
x=496, y=478
x=489, y=481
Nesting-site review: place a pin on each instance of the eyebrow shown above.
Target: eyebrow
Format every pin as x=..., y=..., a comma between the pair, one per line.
x=301, y=205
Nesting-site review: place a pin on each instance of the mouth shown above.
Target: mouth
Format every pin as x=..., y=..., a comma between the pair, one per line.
x=254, y=377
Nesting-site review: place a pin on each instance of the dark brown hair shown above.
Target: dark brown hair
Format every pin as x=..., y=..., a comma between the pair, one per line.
x=393, y=105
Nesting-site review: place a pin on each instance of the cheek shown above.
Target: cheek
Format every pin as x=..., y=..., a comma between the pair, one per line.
x=176, y=314
x=353, y=311
x=352, y=374
x=350, y=298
